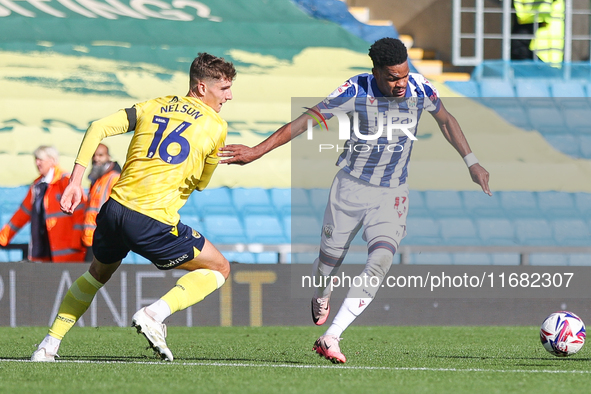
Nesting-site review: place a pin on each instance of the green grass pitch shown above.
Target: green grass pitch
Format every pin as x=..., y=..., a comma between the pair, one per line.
x=280, y=359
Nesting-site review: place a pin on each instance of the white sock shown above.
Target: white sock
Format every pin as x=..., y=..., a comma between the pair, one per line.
x=351, y=308
x=50, y=344
x=159, y=310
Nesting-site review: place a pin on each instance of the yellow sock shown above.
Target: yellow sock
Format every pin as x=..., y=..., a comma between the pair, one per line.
x=75, y=303
x=192, y=288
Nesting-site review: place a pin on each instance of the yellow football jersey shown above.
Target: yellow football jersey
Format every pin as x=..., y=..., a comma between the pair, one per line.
x=173, y=152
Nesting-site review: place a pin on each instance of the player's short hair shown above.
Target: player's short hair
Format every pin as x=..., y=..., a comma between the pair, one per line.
x=206, y=66
x=44, y=151
x=388, y=52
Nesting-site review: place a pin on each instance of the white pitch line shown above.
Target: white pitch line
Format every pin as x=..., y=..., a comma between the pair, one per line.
x=352, y=367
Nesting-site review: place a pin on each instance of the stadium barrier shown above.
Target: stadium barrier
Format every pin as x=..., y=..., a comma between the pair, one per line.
x=279, y=295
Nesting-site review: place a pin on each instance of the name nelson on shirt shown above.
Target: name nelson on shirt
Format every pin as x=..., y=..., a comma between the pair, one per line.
x=184, y=109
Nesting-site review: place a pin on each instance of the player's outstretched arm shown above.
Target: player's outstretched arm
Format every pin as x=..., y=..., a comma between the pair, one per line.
x=452, y=132
x=241, y=154
x=73, y=192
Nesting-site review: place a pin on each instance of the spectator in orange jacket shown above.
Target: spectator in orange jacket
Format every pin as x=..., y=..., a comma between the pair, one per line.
x=55, y=236
x=103, y=175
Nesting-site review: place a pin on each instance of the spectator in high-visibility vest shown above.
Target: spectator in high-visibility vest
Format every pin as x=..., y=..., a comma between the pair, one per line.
x=548, y=43
x=55, y=236
x=529, y=16
x=103, y=175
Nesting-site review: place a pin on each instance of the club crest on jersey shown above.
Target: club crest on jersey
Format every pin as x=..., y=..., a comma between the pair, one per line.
x=196, y=234
x=327, y=230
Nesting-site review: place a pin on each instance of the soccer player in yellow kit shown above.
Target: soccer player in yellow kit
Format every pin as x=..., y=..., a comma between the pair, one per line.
x=173, y=152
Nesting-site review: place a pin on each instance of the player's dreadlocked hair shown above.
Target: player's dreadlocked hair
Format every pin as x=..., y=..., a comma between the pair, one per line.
x=206, y=66
x=388, y=52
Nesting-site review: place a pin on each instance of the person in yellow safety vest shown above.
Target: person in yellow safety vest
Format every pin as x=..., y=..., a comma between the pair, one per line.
x=529, y=17
x=548, y=43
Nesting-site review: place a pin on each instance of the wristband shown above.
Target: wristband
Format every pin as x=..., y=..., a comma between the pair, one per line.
x=470, y=159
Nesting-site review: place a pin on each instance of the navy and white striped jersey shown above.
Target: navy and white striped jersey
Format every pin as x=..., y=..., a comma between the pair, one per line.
x=380, y=160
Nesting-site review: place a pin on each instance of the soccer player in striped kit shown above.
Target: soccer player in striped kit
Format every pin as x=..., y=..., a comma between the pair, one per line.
x=370, y=190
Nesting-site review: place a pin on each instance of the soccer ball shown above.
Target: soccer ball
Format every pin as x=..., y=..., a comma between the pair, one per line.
x=563, y=333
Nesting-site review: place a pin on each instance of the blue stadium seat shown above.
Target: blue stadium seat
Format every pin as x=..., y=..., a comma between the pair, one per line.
x=431, y=258
x=534, y=232
x=459, y=231
x=532, y=88
x=281, y=200
x=255, y=200
x=213, y=201
x=303, y=258
x=264, y=229
x=496, y=88
x=11, y=256
x=566, y=143
x=305, y=229
x=546, y=120
x=567, y=89
x=422, y=231
x=583, y=204
x=266, y=258
x=224, y=229
x=548, y=259
x=496, y=231
x=519, y=203
x=318, y=199
x=472, y=259
x=416, y=204
x=571, y=232
x=556, y=205
x=516, y=115
x=444, y=203
x=478, y=204
x=578, y=119
x=466, y=88
x=134, y=258
x=579, y=259
x=240, y=257
x=585, y=141
x=193, y=221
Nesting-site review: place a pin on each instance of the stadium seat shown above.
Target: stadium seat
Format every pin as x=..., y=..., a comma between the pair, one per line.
x=478, y=204
x=416, y=204
x=240, y=257
x=496, y=231
x=556, y=205
x=459, y=231
x=264, y=229
x=255, y=200
x=578, y=119
x=431, y=258
x=548, y=259
x=193, y=221
x=579, y=259
x=444, y=203
x=546, y=120
x=224, y=229
x=583, y=204
x=527, y=88
x=571, y=232
x=318, y=199
x=213, y=201
x=281, y=200
x=466, y=88
x=567, y=89
x=536, y=232
x=496, y=88
x=519, y=203
x=516, y=115
x=566, y=143
x=422, y=231
x=305, y=229
x=585, y=141
x=471, y=259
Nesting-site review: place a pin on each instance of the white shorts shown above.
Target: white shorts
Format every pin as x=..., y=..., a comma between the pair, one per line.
x=353, y=204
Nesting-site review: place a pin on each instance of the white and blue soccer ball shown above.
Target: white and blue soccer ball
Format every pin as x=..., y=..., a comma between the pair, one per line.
x=563, y=333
